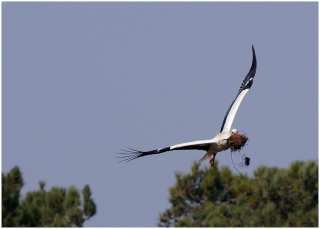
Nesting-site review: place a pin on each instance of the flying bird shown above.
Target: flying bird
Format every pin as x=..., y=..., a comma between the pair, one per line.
x=214, y=145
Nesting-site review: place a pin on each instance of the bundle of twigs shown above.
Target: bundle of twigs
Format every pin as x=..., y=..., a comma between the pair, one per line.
x=237, y=141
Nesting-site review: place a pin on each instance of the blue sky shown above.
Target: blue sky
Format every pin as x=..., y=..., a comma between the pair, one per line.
x=82, y=80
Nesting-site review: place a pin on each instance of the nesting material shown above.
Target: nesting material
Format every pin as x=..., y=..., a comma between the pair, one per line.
x=245, y=161
x=237, y=141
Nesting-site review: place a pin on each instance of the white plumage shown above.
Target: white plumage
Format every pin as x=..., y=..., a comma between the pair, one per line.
x=216, y=144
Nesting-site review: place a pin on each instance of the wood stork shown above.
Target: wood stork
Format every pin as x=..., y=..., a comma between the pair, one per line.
x=214, y=145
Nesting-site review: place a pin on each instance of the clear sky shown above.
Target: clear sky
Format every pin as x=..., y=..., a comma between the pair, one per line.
x=82, y=80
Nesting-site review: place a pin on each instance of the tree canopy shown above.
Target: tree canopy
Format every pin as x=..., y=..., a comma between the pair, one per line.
x=58, y=207
x=219, y=198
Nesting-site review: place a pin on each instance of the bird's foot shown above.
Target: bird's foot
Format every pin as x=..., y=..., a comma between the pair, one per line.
x=212, y=160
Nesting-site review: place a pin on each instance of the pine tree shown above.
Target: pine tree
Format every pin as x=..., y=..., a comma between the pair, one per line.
x=58, y=207
x=218, y=198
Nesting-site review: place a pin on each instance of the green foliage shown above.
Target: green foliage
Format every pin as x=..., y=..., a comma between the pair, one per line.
x=273, y=197
x=55, y=208
x=11, y=186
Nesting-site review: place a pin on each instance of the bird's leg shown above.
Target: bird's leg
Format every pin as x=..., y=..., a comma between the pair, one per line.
x=212, y=159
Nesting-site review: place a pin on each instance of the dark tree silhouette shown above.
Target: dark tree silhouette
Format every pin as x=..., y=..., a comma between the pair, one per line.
x=218, y=198
x=58, y=207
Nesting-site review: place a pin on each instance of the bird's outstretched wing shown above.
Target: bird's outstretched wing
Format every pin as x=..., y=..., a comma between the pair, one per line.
x=245, y=86
x=131, y=154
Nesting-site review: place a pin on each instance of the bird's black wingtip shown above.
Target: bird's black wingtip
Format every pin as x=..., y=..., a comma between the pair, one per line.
x=129, y=154
x=254, y=61
x=253, y=51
